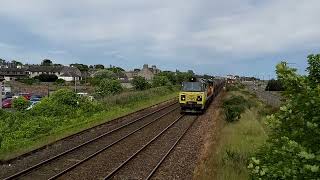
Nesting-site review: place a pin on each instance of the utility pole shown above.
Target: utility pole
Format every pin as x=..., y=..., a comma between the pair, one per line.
x=1, y=93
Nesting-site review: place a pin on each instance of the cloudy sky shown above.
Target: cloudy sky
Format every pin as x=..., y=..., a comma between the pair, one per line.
x=246, y=37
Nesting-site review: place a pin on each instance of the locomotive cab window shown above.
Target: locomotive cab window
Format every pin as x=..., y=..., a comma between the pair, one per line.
x=192, y=87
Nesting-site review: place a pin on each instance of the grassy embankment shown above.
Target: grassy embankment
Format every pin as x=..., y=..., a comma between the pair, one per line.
x=238, y=140
x=23, y=132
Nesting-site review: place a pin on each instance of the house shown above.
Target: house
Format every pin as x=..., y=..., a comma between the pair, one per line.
x=9, y=74
x=63, y=72
x=146, y=72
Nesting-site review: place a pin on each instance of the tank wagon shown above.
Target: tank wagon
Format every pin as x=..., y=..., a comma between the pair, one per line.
x=197, y=93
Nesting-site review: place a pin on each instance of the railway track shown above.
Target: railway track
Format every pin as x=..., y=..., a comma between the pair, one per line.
x=70, y=159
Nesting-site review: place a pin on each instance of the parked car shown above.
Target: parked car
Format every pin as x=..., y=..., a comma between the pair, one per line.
x=32, y=104
x=7, y=103
x=35, y=98
x=26, y=95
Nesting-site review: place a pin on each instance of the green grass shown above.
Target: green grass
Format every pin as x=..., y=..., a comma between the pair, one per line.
x=115, y=106
x=228, y=158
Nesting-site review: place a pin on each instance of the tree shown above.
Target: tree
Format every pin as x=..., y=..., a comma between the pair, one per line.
x=47, y=77
x=109, y=87
x=118, y=71
x=170, y=75
x=100, y=75
x=18, y=63
x=292, y=150
x=46, y=62
x=99, y=66
x=274, y=85
x=160, y=81
x=81, y=67
x=140, y=83
x=20, y=103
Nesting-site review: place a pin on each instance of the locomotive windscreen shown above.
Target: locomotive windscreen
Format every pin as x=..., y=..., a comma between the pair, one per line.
x=192, y=86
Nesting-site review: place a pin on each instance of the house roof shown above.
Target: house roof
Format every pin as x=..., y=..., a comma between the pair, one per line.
x=45, y=68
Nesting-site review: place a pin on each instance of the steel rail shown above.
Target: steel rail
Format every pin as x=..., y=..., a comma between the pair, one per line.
x=169, y=151
x=27, y=170
x=106, y=147
x=142, y=148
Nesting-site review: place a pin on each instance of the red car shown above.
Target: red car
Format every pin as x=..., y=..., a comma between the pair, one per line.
x=6, y=103
x=26, y=95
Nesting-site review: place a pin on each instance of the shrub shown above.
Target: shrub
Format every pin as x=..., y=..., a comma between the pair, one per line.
x=235, y=106
x=47, y=77
x=28, y=81
x=60, y=81
x=20, y=103
x=160, y=81
x=274, y=85
x=108, y=87
x=140, y=83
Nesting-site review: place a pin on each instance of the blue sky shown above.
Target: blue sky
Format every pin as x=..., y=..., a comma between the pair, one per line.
x=245, y=37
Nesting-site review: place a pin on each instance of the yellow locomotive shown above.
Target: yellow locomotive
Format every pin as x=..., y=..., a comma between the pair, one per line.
x=197, y=93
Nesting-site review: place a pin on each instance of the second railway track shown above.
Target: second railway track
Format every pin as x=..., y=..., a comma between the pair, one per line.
x=61, y=163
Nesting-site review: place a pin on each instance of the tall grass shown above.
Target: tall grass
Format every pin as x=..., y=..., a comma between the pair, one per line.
x=227, y=159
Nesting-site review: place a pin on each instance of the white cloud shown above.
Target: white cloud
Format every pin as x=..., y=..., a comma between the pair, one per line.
x=169, y=29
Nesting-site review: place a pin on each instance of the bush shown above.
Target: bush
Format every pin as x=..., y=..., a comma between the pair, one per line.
x=235, y=106
x=20, y=103
x=140, y=83
x=28, y=81
x=109, y=87
x=160, y=81
x=274, y=85
x=60, y=82
x=47, y=77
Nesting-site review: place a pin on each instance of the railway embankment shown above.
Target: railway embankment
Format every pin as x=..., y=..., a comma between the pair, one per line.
x=62, y=115
x=242, y=131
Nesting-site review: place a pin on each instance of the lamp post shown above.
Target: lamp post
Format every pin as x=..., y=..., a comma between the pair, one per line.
x=1, y=79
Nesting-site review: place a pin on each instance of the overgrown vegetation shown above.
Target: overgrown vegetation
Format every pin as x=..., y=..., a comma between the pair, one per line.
x=20, y=103
x=228, y=154
x=292, y=151
x=234, y=106
x=64, y=113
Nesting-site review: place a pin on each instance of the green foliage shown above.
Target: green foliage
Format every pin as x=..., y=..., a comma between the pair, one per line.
x=100, y=75
x=274, y=85
x=46, y=62
x=81, y=67
x=20, y=103
x=99, y=66
x=47, y=77
x=158, y=81
x=140, y=83
x=28, y=81
x=235, y=106
x=183, y=76
x=109, y=87
x=292, y=152
x=60, y=82
x=170, y=75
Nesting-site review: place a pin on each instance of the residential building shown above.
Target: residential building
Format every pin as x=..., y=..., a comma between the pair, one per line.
x=146, y=72
x=63, y=72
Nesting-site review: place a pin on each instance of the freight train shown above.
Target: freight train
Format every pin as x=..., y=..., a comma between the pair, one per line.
x=197, y=93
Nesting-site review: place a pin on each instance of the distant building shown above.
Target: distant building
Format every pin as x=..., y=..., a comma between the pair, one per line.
x=146, y=72
x=9, y=74
x=63, y=72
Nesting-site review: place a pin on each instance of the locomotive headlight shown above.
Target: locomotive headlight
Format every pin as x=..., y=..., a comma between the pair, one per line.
x=199, y=98
x=183, y=97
